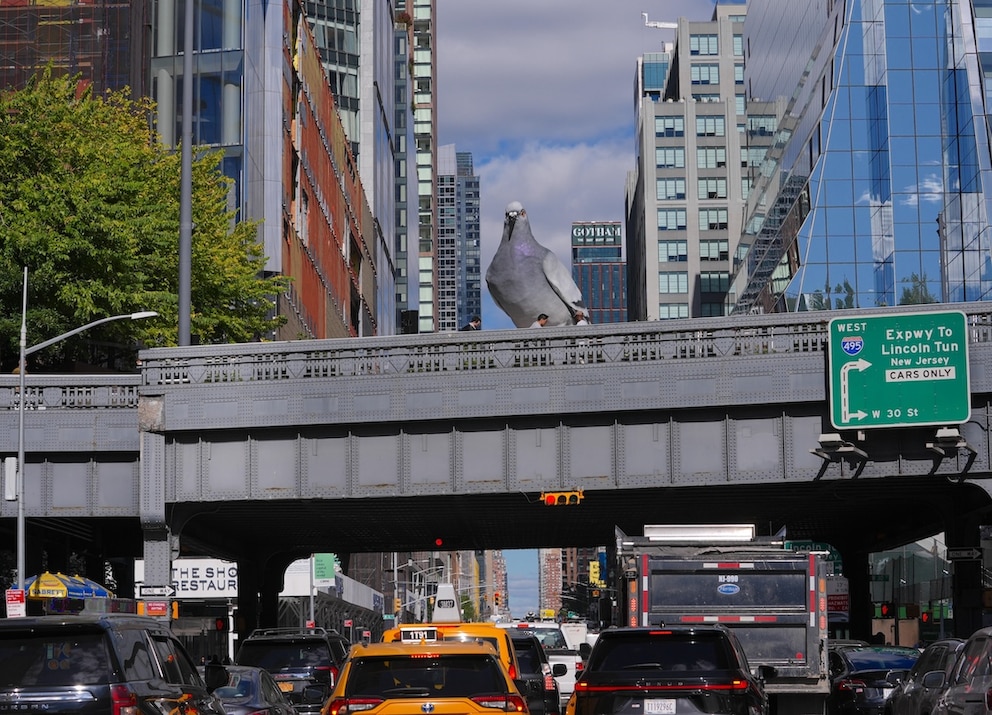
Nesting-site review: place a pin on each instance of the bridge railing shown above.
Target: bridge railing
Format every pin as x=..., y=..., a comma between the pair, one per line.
x=71, y=392
x=692, y=339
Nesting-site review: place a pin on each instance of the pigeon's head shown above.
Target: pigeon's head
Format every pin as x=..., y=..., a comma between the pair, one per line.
x=513, y=210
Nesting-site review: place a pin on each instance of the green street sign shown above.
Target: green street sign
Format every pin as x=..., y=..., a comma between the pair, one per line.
x=909, y=369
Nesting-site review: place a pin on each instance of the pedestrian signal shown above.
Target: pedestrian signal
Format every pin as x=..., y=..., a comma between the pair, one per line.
x=926, y=617
x=562, y=498
x=220, y=624
x=886, y=610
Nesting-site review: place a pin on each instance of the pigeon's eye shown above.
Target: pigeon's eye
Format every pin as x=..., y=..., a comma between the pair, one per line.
x=513, y=214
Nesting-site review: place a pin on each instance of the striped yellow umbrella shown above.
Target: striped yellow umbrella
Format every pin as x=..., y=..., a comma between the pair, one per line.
x=58, y=585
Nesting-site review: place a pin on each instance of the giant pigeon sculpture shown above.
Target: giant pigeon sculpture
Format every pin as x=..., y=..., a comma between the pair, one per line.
x=525, y=279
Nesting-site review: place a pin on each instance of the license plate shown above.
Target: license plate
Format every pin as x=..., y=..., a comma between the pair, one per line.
x=659, y=707
x=288, y=688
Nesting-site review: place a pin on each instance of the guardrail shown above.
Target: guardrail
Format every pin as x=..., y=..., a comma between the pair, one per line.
x=693, y=339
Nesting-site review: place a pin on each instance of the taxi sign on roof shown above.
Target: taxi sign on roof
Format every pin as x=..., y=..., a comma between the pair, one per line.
x=418, y=635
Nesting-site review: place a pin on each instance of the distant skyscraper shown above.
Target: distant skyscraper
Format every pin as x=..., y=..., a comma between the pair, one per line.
x=599, y=270
x=877, y=190
x=424, y=72
x=458, y=246
x=686, y=196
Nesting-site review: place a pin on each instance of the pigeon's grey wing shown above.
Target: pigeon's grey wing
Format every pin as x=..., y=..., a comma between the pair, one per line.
x=560, y=279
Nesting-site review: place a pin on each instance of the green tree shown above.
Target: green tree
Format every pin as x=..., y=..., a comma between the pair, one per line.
x=918, y=291
x=468, y=609
x=89, y=203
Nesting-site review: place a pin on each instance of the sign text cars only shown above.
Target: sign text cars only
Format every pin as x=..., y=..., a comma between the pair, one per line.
x=899, y=370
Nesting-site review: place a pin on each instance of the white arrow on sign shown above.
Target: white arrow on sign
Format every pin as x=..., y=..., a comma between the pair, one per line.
x=963, y=554
x=155, y=591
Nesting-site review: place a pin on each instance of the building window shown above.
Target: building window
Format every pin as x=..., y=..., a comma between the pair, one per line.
x=673, y=282
x=712, y=219
x=745, y=186
x=703, y=45
x=713, y=310
x=669, y=126
x=670, y=158
x=738, y=45
x=753, y=156
x=705, y=74
x=712, y=157
x=712, y=188
x=738, y=74
x=670, y=189
x=762, y=125
x=718, y=250
x=715, y=282
x=707, y=97
x=740, y=102
x=672, y=251
x=671, y=220
x=669, y=311
x=710, y=127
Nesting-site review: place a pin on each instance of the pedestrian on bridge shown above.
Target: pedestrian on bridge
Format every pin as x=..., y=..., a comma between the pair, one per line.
x=541, y=321
x=474, y=324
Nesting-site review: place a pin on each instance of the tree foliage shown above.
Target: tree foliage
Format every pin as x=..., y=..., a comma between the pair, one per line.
x=89, y=203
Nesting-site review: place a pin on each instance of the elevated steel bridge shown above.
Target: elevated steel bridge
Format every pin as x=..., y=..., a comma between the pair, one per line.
x=270, y=451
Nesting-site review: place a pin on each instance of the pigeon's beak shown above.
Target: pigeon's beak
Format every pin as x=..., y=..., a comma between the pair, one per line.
x=511, y=221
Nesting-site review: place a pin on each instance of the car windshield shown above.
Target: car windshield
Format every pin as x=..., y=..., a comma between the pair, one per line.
x=551, y=637
x=43, y=660
x=871, y=659
x=676, y=652
x=274, y=655
x=435, y=676
x=527, y=657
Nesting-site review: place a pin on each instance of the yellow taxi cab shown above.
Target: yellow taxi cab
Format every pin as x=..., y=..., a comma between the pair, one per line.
x=464, y=632
x=411, y=678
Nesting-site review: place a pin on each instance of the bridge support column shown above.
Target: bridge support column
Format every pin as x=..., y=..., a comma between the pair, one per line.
x=964, y=532
x=247, y=615
x=151, y=496
x=857, y=571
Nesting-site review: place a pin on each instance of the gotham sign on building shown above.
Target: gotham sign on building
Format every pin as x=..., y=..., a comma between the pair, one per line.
x=596, y=232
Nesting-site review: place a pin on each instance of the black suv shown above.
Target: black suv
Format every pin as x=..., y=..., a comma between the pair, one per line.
x=537, y=673
x=99, y=664
x=668, y=670
x=304, y=662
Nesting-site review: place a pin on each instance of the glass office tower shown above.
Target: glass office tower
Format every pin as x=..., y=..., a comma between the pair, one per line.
x=875, y=191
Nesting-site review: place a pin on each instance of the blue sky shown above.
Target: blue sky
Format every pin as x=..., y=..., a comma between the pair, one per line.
x=521, y=581
x=542, y=95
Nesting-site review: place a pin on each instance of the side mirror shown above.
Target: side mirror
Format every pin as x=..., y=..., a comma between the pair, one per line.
x=214, y=676
x=934, y=679
x=314, y=694
x=584, y=650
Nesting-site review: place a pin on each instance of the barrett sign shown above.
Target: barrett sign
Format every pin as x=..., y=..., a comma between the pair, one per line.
x=899, y=370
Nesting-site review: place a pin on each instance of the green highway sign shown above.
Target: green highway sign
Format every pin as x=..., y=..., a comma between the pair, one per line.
x=908, y=369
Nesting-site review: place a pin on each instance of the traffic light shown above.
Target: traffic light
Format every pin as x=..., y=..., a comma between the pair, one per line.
x=561, y=498
x=886, y=610
x=496, y=598
x=397, y=604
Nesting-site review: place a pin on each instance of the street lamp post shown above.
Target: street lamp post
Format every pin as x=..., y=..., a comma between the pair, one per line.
x=25, y=351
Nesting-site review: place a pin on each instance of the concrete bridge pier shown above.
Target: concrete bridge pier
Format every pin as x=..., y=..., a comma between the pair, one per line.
x=963, y=531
